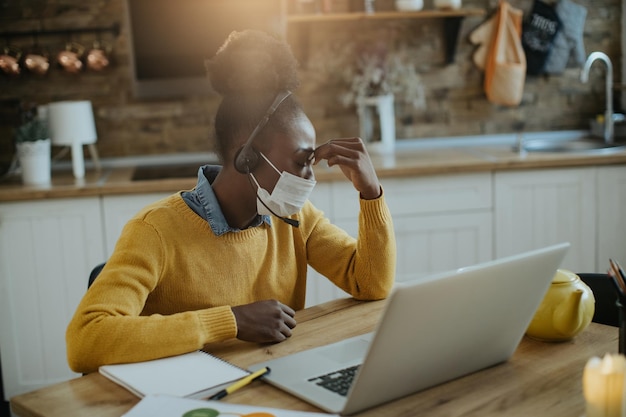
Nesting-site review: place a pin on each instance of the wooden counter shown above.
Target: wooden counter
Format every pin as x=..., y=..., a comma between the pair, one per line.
x=541, y=379
x=411, y=162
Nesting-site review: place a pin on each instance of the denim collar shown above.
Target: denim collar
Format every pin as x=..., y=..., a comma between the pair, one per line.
x=203, y=202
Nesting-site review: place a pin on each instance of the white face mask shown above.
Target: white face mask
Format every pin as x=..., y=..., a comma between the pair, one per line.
x=289, y=194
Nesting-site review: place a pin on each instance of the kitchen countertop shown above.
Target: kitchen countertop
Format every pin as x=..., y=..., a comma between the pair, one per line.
x=410, y=158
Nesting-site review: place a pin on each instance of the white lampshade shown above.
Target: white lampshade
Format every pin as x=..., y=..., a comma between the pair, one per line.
x=72, y=124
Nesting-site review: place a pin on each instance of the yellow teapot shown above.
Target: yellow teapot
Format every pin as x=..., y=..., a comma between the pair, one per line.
x=566, y=309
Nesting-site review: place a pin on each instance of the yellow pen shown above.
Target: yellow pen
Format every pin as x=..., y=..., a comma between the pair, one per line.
x=240, y=384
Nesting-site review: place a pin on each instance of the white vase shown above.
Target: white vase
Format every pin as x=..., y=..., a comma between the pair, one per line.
x=409, y=5
x=447, y=4
x=377, y=111
x=34, y=159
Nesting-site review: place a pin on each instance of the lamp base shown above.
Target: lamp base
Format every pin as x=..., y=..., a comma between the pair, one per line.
x=78, y=161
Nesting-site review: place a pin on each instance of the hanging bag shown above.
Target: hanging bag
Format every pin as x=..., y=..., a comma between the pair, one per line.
x=505, y=69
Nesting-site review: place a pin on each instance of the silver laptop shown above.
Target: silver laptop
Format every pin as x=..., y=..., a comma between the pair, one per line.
x=432, y=330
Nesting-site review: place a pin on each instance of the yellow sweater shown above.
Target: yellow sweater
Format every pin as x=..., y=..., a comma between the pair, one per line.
x=168, y=287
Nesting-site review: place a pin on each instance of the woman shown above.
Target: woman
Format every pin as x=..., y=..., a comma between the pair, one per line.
x=229, y=258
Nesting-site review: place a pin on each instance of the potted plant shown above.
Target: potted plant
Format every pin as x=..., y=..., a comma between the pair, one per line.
x=32, y=142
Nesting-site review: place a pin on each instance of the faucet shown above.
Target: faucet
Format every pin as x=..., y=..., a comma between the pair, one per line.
x=609, y=117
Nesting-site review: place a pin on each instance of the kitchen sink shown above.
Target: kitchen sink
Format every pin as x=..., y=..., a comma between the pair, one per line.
x=159, y=172
x=580, y=145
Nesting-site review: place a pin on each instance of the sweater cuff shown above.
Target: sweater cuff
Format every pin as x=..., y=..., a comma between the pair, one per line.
x=218, y=323
x=375, y=211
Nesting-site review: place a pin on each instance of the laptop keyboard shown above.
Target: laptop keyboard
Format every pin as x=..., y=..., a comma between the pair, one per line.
x=337, y=381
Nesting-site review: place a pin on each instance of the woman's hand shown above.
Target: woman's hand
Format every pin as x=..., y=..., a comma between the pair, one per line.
x=352, y=157
x=266, y=321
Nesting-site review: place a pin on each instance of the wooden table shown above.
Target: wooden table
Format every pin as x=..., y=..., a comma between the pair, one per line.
x=542, y=379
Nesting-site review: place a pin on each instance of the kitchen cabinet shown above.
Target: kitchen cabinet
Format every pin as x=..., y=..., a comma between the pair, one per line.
x=543, y=207
x=319, y=289
x=441, y=223
x=611, y=200
x=47, y=249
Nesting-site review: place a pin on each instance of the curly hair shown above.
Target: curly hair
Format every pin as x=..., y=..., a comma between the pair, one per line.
x=248, y=71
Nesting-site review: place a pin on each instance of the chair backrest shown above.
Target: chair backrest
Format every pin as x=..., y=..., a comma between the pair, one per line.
x=606, y=311
x=94, y=274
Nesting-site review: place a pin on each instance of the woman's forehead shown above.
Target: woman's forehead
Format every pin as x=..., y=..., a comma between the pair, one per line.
x=298, y=134
x=303, y=131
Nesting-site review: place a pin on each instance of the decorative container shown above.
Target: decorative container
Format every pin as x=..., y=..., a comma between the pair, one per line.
x=409, y=5
x=377, y=122
x=447, y=4
x=34, y=159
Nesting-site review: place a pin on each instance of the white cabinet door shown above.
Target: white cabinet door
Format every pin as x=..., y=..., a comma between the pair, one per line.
x=441, y=223
x=431, y=243
x=611, y=201
x=319, y=289
x=428, y=244
x=118, y=209
x=544, y=207
x=47, y=249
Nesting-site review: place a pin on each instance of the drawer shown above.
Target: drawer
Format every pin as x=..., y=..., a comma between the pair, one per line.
x=422, y=195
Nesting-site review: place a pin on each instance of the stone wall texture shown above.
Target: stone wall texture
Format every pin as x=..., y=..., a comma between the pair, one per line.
x=455, y=103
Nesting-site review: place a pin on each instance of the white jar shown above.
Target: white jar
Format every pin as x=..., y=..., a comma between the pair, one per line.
x=34, y=159
x=447, y=4
x=409, y=5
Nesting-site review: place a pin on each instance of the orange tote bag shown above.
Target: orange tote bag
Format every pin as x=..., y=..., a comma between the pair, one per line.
x=505, y=69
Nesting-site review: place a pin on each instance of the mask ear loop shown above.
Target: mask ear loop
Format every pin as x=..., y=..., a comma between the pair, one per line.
x=269, y=162
x=251, y=176
x=253, y=181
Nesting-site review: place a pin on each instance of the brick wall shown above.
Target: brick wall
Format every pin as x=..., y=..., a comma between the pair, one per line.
x=455, y=103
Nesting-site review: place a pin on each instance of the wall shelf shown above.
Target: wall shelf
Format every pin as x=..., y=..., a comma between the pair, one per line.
x=422, y=14
x=452, y=23
x=114, y=29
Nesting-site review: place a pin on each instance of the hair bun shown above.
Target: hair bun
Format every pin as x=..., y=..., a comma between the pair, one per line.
x=253, y=61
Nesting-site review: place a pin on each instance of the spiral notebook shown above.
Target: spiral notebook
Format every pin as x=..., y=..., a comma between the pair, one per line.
x=192, y=375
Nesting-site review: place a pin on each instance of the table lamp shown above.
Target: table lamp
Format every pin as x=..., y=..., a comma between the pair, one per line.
x=72, y=124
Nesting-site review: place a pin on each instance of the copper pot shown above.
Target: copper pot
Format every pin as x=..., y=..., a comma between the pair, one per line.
x=37, y=61
x=70, y=58
x=98, y=57
x=10, y=60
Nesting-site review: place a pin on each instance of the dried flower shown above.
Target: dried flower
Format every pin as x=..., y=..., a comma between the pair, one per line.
x=364, y=71
x=380, y=72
